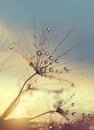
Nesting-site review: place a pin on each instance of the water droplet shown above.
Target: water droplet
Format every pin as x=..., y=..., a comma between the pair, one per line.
x=39, y=53
x=51, y=69
x=42, y=70
x=29, y=86
x=72, y=104
x=31, y=64
x=73, y=84
x=48, y=29
x=66, y=69
x=83, y=114
x=46, y=62
x=56, y=71
x=46, y=53
x=73, y=113
x=50, y=127
x=10, y=47
x=56, y=61
x=51, y=58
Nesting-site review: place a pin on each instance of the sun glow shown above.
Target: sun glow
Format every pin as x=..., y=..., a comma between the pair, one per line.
x=19, y=112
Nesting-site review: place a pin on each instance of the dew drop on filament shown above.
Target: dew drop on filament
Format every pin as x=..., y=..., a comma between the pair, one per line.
x=66, y=69
x=48, y=29
x=73, y=113
x=39, y=53
x=46, y=53
x=51, y=58
x=51, y=69
x=56, y=61
x=31, y=64
x=46, y=62
x=11, y=47
x=72, y=104
x=42, y=70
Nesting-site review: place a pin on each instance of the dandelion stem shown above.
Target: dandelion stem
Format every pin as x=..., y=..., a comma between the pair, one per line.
x=42, y=114
x=14, y=103
x=26, y=82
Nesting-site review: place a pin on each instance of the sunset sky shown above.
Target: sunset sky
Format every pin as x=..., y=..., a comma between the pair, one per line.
x=18, y=14
x=62, y=13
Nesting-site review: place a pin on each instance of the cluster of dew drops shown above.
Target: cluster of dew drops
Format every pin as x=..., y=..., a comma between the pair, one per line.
x=46, y=63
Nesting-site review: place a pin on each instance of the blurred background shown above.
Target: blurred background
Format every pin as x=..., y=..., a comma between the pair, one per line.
x=18, y=15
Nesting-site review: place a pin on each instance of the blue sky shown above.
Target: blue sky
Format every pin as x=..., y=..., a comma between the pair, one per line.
x=62, y=13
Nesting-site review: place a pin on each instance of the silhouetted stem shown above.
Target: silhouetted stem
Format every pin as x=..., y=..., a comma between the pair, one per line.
x=42, y=114
x=15, y=101
x=58, y=110
x=25, y=83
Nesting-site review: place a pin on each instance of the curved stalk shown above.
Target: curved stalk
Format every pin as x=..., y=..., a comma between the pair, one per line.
x=16, y=100
x=42, y=114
